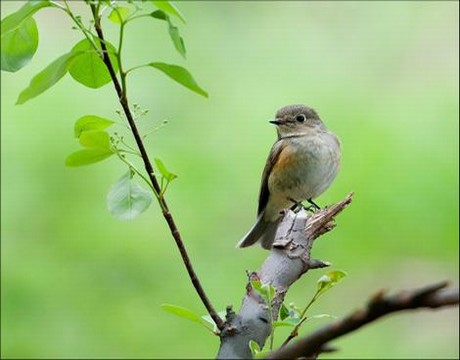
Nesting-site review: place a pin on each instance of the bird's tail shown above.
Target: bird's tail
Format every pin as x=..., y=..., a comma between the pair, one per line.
x=263, y=231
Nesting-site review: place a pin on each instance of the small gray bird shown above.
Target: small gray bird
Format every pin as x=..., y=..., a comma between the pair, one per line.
x=301, y=166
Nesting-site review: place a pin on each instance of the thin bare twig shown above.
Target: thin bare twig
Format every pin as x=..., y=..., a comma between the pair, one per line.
x=432, y=296
x=149, y=169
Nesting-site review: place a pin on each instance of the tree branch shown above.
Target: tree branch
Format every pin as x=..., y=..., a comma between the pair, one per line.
x=432, y=296
x=121, y=92
x=289, y=259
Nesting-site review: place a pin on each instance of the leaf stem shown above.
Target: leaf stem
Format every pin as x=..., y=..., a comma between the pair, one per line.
x=303, y=318
x=151, y=175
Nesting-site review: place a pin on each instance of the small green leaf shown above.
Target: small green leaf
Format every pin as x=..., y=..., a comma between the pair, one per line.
x=127, y=199
x=119, y=14
x=177, y=39
x=90, y=122
x=268, y=290
x=329, y=280
x=173, y=31
x=47, y=77
x=169, y=176
x=87, y=156
x=18, y=46
x=256, y=285
x=255, y=348
x=88, y=68
x=95, y=139
x=284, y=312
x=182, y=312
x=181, y=75
x=158, y=14
x=169, y=7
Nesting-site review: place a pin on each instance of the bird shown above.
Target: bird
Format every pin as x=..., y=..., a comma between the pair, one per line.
x=301, y=165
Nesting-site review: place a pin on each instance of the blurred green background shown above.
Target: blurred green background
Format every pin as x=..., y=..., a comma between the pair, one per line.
x=383, y=75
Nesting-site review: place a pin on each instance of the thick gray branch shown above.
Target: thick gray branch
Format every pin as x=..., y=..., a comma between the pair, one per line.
x=288, y=261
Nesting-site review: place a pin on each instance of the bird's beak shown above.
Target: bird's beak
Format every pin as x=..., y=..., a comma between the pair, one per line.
x=276, y=122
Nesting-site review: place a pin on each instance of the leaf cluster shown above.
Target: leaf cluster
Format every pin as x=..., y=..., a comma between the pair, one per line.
x=84, y=62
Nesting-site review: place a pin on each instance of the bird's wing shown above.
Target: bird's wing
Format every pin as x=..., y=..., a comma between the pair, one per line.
x=271, y=161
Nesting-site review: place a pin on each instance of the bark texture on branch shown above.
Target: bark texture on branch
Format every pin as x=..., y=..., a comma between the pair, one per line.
x=289, y=259
x=432, y=296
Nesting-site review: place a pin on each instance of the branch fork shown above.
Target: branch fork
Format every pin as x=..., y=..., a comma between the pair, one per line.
x=288, y=260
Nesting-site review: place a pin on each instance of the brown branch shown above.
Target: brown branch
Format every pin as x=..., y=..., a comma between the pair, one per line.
x=149, y=169
x=288, y=260
x=432, y=296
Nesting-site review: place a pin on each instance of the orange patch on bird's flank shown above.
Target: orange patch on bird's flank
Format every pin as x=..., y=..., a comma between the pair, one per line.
x=285, y=159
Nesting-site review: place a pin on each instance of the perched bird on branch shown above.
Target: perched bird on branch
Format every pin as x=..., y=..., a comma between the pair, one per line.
x=301, y=166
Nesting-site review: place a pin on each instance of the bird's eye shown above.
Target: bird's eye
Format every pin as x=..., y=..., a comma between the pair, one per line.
x=300, y=118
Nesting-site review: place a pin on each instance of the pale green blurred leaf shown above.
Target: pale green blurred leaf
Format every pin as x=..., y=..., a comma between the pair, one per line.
x=47, y=77
x=182, y=312
x=177, y=40
x=209, y=319
x=18, y=46
x=95, y=139
x=126, y=199
x=181, y=75
x=119, y=14
x=87, y=157
x=88, y=68
x=90, y=122
x=170, y=8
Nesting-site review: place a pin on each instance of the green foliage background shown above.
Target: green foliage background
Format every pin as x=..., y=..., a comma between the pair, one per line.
x=384, y=76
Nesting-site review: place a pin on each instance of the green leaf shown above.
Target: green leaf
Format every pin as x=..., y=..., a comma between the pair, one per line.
x=95, y=139
x=19, y=45
x=127, y=199
x=255, y=348
x=177, y=40
x=90, y=122
x=88, y=68
x=87, y=156
x=158, y=14
x=19, y=36
x=329, y=280
x=119, y=14
x=47, y=77
x=182, y=312
x=269, y=290
x=284, y=312
x=181, y=75
x=169, y=7
x=169, y=176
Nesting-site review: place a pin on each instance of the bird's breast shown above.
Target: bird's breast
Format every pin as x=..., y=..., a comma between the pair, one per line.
x=305, y=167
